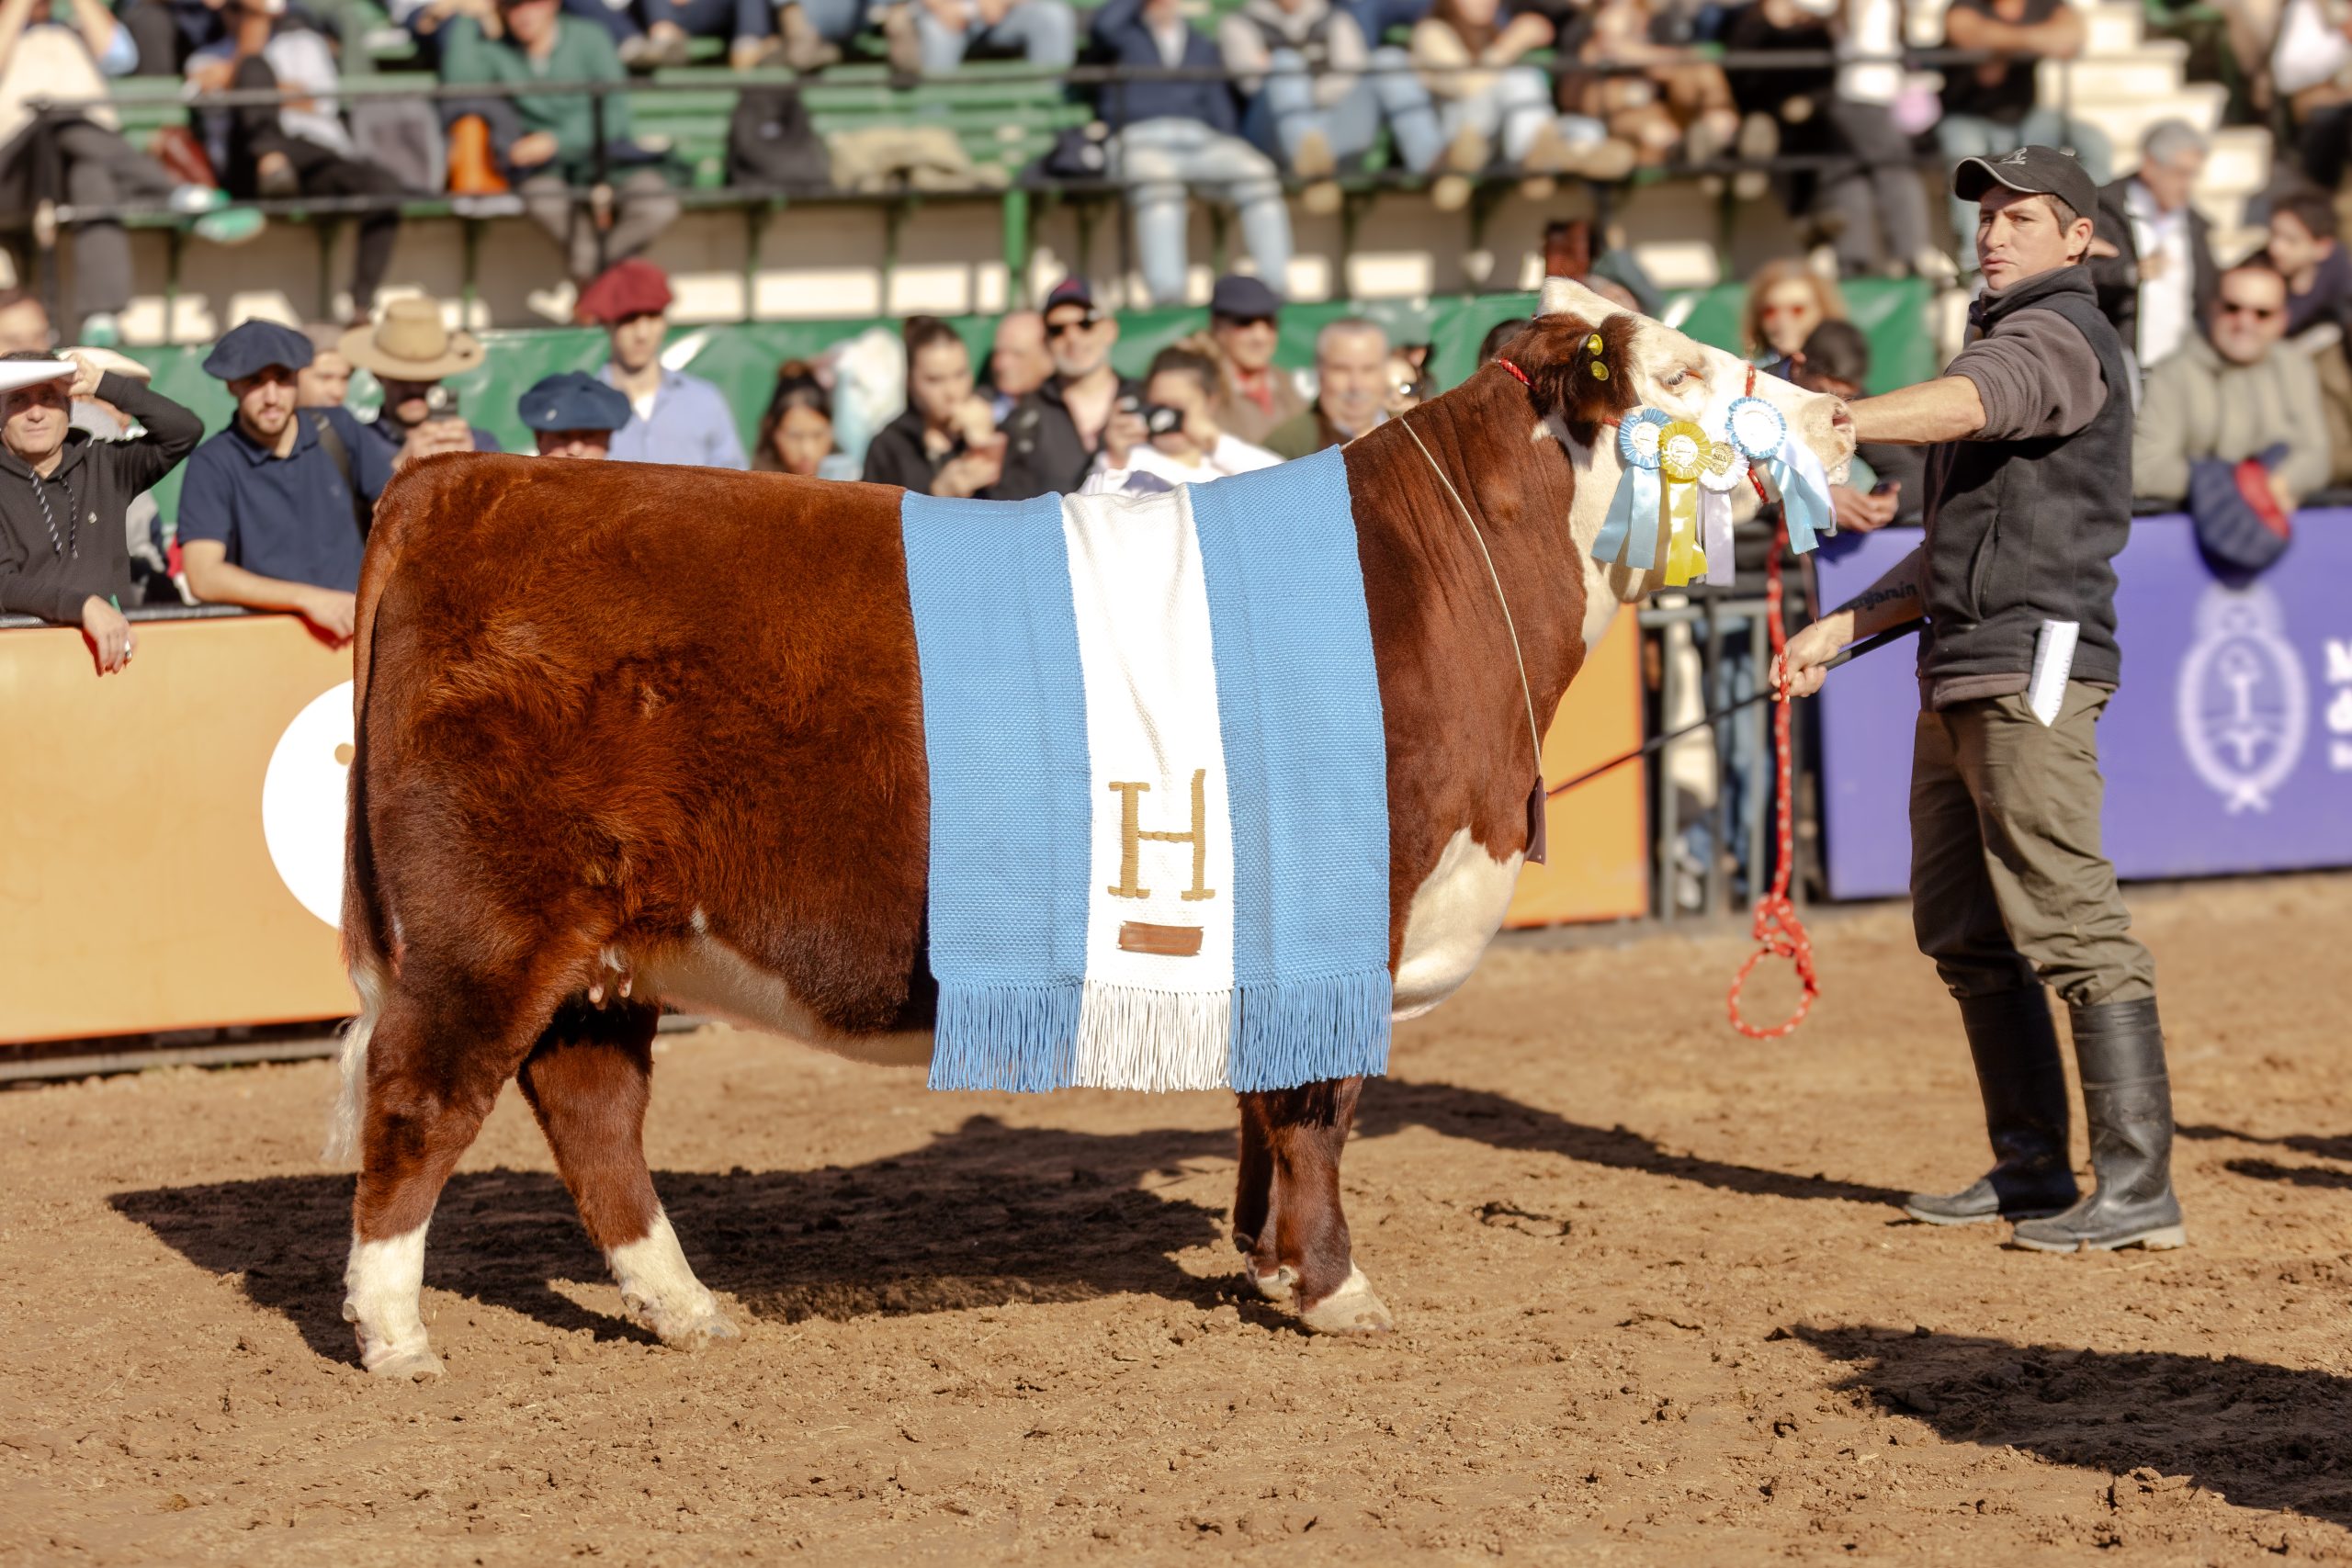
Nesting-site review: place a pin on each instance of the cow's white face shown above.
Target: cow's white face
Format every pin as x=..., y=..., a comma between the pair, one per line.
x=1688, y=380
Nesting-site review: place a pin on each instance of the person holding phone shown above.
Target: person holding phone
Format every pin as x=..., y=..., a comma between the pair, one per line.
x=1167, y=434
x=63, y=495
x=946, y=442
x=411, y=353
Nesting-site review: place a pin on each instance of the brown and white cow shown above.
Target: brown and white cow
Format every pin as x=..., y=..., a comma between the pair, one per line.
x=630, y=735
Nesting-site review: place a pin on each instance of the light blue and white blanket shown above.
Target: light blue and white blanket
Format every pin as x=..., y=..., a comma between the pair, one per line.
x=1158, y=787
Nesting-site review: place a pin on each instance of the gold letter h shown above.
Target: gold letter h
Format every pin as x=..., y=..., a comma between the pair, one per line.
x=1131, y=833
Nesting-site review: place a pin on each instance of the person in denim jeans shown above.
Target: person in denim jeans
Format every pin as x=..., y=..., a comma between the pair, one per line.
x=1319, y=95
x=1042, y=32
x=1171, y=137
x=1990, y=109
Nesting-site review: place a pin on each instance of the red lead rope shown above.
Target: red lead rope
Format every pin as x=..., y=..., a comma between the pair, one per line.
x=1778, y=932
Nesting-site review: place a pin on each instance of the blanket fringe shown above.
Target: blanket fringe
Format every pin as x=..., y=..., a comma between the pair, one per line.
x=1333, y=1026
x=1019, y=1038
x=1130, y=1037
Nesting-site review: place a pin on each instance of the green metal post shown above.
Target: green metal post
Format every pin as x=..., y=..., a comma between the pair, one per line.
x=1018, y=245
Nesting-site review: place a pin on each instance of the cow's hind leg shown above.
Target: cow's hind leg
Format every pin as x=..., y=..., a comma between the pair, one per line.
x=1301, y=1254
x=588, y=1081
x=432, y=1073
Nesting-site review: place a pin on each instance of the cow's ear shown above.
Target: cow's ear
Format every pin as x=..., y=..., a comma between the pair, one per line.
x=1581, y=372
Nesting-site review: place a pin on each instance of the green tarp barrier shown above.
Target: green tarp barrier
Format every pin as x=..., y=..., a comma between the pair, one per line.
x=742, y=359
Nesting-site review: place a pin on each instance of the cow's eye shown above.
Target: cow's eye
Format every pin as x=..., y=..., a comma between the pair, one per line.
x=1678, y=378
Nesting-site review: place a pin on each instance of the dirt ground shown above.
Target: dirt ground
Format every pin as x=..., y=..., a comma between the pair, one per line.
x=1653, y=1305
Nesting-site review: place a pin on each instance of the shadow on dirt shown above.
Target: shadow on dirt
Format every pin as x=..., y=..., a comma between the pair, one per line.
x=2258, y=1434
x=2337, y=1148
x=981, y=1216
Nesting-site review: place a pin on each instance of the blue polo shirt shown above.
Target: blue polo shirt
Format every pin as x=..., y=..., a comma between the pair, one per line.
x=288, y=517
x=690, y=424
x=392, y=437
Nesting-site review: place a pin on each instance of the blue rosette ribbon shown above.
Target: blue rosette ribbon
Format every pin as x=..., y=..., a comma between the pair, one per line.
x=1636, y=496
x=1760, y=433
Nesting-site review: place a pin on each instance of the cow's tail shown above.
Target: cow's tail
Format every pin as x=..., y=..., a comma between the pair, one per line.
x=365, y=953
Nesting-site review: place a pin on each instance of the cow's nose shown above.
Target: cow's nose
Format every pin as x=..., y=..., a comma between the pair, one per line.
x=1840, y=416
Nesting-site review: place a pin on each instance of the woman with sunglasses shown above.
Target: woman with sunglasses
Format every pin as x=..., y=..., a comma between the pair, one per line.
x=1786, y=300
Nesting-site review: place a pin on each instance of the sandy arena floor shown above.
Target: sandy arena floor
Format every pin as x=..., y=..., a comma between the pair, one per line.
x=1653, y=1305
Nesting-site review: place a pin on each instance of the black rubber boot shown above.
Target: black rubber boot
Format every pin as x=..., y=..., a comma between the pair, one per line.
x=2127, y=1100
x=2024, y=1085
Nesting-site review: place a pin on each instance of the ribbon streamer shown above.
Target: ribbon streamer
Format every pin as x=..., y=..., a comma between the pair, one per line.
x=1803, y=488
x=1714, y=535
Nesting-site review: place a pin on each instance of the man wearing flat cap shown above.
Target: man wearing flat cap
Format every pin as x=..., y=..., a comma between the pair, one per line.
x=573, y=415
x=2027, y=501
x=410, y=353
x=276, y=507
x=1255, y=396
x=679, y=418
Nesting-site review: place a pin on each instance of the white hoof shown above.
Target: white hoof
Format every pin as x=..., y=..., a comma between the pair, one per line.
x=1350, y=1309
x=694, y=1328
x=658, y=1292
x=413, y=1363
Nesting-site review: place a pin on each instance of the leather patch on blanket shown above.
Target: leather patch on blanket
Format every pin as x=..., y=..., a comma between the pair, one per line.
x=1168, y=941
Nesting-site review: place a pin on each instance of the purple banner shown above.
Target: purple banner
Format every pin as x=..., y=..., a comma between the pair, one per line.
x=2227, y=748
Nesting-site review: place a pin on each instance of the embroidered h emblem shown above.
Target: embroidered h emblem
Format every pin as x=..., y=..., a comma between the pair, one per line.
x=1132, y=832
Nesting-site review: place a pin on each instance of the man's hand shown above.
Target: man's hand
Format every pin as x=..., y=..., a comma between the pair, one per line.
x=109, y=634
x=971, y=471
x=1861, y=511
x=1122, y=434
x=331, y=611
x=86, y=372
x=532, y=148
x=973, y=422
x=1808, y=652
x=2280, y=494
x=431, y=437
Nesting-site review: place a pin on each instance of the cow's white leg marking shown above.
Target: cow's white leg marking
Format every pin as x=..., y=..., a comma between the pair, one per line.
x=382, y=1285
x=1453, y=916
x=1353, y=1308
x=659, y=1289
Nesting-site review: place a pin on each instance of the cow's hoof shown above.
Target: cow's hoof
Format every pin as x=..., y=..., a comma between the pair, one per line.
x=1282, y=1285
x=414, y=1364
x=1352, y=1309
x=694, y=1328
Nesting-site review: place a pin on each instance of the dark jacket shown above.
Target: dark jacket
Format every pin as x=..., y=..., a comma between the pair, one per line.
x=2117, y=278
x=87, y=496
x=2020, y=532
x=1043, y=455
x=1120, y=38
x=897, y=455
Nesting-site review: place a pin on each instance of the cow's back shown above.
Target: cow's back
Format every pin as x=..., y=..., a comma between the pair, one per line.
x=663, y=704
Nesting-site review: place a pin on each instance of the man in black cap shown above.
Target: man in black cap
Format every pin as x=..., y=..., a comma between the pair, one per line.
x=2027, y=501
x=276, y=507
x=1254, y=395
x=573, y=414
x=1052, y=435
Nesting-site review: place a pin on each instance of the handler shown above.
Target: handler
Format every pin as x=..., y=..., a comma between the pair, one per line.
x=2027, y=499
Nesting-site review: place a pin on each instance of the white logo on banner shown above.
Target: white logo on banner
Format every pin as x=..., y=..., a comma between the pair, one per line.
x=2339, y=706
x=2243, y=697
x=303, y=803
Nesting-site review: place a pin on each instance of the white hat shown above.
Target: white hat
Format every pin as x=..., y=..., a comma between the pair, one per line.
x=15, y=375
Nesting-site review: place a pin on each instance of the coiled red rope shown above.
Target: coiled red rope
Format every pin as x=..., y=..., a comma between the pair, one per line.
x=1779, y=933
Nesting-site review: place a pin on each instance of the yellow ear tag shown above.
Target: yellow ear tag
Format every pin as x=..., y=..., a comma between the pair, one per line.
x=1593, y=344
x=1600, y=371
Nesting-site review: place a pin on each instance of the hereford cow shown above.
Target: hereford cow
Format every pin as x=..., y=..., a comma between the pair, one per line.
x=631, y=735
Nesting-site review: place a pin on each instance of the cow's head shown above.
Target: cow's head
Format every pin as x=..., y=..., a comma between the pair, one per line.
x=1643, y=363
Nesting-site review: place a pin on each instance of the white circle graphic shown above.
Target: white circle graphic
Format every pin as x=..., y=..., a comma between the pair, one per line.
x=304, y=800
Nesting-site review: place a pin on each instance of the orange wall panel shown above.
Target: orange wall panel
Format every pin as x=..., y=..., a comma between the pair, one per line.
x=1598, y=865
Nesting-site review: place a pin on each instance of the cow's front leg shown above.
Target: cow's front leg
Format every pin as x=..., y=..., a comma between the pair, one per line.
x=588, y=1081
x=1301, y=1255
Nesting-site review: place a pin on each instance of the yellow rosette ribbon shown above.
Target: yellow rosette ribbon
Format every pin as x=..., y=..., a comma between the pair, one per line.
x=1684, y=452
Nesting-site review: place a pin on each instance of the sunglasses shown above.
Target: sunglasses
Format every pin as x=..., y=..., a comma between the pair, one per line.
x=2259, y=312
x=1071, y=325
x=1771, y=312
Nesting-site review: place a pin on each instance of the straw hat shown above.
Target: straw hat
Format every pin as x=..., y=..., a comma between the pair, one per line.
x=409, y=343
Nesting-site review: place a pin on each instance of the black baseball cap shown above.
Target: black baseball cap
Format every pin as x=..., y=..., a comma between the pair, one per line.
x=1240, y=297
x=1073, y=291
x=2037, y=171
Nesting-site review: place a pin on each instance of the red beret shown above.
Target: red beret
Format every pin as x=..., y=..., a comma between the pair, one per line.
x=628, y=289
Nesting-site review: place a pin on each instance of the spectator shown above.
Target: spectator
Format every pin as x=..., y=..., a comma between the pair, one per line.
x=1169, y=137
x=64, y=496
x=2311, y=68
x=1679, y=106
x=1783, y=107
x=2304, y=248
x=2231, y=393
x=1169, y=435
x=671, y=26
x=947, y=441
x=1318, y=94
x=1018, y=363
x=812, y=33
x=410, y=353
x=547, y=139
x=572, y=415
x=937, y=34
x=1888, y=482
x=1871, y=202
x=1499, y=336
x=275, y=508
x=680, y=418
x=1056, y=431
x=325, y=382
x=1507, y=106
x=797, y=431
x=301, y=147
x=24, y=322
x=1351, y=390
x=1254, y=394
x=1991, y=109
x=80, y=159
x=1786, y=300
x=166, y=33
x=2160, y=281
x=424, y=19
x=1407, y=384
